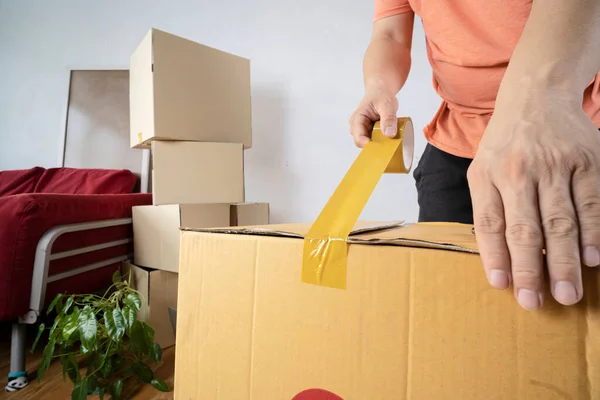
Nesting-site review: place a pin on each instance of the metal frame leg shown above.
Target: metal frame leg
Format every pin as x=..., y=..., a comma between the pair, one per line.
x=17, y=377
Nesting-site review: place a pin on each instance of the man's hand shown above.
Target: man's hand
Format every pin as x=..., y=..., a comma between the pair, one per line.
x=535, y=184
x=377, y=105
x=386, y=66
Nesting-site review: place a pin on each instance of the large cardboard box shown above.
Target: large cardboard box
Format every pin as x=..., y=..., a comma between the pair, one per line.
x=159, y=300
x=182, y=90
x=192, y=172
x=156, y=229
x=417, y=320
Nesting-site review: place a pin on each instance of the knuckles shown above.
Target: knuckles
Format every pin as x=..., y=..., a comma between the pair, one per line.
x=560, y=226
x=515, y=164
x=524, y=234
x=490, y=223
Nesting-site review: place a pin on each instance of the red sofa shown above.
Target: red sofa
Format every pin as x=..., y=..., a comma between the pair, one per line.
x=61, y=230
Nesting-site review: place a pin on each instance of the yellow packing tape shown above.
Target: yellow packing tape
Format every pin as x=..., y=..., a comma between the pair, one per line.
x=325, y=252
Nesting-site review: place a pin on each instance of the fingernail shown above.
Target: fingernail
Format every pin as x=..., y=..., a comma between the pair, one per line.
x=498, y=279
x=565, y=293
x=591, y=256
x=529, y=300
x=390, y=131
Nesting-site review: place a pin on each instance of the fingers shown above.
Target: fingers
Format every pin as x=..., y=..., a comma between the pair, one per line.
x=488, y=218
x=387, y=109
x=524, y=238
x=360, y=128
x=586, y=198
x=561, y=233
x=361, y=123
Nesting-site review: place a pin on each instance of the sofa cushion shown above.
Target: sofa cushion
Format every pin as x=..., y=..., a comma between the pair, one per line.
x=19, y=181
x=86, y=181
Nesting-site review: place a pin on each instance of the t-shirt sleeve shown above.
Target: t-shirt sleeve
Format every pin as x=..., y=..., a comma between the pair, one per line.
x=387, y=8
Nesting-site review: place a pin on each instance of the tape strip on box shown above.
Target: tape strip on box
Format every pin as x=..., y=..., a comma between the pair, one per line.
x=324, y=259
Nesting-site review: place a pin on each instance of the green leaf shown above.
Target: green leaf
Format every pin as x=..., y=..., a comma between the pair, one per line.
x=115, y=389
x=53, y=332
x=143, y=372
x=88, y=298
x=101, y=393
x=46, y=357
x=87, y=328
x=67, y=305
x=138, y=337
x=69, y=329
x=115, y=324
x=129, y=316
x=92, y=386
x=156, y=353
x=119, y=322
x=41, y=329
x=133, y=301
x=83, y=349
x=80, y=391
x=54, y=303
x=107, y=366
x=70, y=367
x=148, y=335
x=159, y=385
x=117, y=278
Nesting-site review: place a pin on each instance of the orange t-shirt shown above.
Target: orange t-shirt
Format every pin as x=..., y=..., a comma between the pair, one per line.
x=469, y=44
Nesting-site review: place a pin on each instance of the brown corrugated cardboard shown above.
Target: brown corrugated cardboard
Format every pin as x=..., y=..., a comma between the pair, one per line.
x=159, y=295
x=247, y=214
x=417, y=320
x=193, y=172
x=156, y=233
x=182, y=90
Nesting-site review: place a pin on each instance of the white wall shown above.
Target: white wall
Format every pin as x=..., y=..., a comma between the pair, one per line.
x=306, y=76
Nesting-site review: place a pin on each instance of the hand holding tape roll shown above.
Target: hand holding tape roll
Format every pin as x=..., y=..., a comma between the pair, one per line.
x=325, y=251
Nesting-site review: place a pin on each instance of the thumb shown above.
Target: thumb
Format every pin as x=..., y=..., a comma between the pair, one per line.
x=387, y=119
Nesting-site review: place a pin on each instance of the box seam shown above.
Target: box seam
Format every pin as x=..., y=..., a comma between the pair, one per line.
x=409, y=341
x=588, y=356
x=253, y=326
x=153, y=86
x=243, y=174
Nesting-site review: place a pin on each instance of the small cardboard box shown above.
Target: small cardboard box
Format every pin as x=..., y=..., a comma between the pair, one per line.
x=159, y=300
x=156, y=229
x=182, y=90
x=193, y=172
x=417, y=320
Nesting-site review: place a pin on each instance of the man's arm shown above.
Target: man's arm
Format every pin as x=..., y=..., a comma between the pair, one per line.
x=385, y=66
x=387, y=59
x=534, y=180
x=558, y=52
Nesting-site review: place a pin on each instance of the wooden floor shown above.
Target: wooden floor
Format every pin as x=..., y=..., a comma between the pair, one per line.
x=53, y=387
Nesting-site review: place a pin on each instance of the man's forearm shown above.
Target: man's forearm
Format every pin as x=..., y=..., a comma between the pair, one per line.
x=387, y=59
x=558, y=52
x=386, y=64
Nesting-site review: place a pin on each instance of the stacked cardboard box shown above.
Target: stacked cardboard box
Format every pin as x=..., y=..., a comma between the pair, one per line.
x=190, y=105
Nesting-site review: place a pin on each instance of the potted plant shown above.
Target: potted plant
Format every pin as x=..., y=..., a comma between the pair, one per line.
x=103, y=334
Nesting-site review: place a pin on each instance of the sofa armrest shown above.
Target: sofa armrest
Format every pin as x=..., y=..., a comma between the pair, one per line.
x=43, y=255
x=35, y=225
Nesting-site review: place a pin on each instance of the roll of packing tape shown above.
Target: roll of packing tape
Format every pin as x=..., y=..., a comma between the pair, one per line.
x=325, y=245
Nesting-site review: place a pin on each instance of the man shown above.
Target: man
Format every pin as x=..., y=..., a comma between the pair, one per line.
x=529, y=127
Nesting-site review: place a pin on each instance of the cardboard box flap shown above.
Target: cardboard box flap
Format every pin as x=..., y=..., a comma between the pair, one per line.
x=446, y=236
x=297, y=231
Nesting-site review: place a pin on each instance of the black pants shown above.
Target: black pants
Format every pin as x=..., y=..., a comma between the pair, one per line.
x=442, y=187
